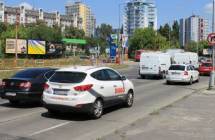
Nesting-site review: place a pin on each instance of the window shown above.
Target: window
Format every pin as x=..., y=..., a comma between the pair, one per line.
x=177, y=67
x=68, y=77
x=49, y=74
x=113, y=76
x=100, y=75
x=29, y=73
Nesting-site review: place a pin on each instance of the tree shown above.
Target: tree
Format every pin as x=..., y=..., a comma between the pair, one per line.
x=103, y=31
x=165, y=31
x=175, y=30
x=147, y=39
x=72, y=32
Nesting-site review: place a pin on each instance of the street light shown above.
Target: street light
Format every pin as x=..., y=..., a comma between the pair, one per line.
x=212, y=76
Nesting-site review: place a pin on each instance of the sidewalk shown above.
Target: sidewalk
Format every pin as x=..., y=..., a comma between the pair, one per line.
x=192, y=118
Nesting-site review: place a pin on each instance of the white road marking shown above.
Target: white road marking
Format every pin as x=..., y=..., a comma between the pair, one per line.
x=48, y=129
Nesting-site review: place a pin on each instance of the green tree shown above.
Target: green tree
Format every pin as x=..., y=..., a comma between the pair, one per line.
x=103, y=31
x=147, y=39
x=165, y=31
x=72, y=32
x=175, y=30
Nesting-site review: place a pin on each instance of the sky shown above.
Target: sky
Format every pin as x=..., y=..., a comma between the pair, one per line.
x=107, y=11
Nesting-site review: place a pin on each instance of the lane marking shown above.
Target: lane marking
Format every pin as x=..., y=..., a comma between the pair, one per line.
x=48, y=129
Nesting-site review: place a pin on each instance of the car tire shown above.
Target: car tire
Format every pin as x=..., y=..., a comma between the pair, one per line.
x=97, y=109
x=191, y=81
x=168, y=82
x=198, y=79
x=14, y=102
x=129, y=99
x=142, y=76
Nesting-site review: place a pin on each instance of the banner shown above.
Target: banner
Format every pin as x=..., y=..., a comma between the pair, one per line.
x=11, y=46
x=36, y=47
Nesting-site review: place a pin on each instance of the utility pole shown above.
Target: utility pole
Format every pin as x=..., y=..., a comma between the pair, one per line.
x=212, y=76
x=16, y=47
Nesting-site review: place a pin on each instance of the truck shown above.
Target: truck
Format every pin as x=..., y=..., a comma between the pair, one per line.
x=154, y=64
x=186, y=58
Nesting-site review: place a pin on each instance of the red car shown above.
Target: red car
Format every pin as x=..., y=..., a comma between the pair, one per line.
x=205, y=68
x=138, y=54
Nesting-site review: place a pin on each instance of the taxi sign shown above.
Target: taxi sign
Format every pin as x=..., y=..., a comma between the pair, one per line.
x=211, y=39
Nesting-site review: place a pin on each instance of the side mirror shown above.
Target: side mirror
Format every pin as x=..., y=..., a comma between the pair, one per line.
x=123, y=78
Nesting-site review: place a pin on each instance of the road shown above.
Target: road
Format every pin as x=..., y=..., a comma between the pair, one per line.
x=32, y=122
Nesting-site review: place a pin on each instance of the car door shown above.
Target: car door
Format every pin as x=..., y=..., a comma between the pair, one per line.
x=103, y=86
x=116, y=80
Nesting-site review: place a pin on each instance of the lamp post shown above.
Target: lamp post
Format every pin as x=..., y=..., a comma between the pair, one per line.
x=16, y=46
x=212, y=75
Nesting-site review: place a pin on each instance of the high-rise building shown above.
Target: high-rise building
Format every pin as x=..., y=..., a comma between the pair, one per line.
x=85, y=16
x=22, y=15
x=194, y=28
x=139, y=14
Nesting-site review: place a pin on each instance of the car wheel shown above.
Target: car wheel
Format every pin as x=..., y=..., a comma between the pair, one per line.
x=97, y=109
x=129, y=99
x=198, y=79
x=191, y=81
x=168, y=82
x=14, y=102
x=142, y=76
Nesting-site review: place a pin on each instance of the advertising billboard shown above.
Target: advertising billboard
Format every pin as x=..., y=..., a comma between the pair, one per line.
x=36, y=47
x=11, y=46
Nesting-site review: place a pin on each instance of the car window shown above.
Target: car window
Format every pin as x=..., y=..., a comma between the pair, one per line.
x=113, y=76
x=28, y=74
x=68, y=77
x=189, y=68
x=49, y=74
x=177, y=67
x=100, y=75
x=192, y=67
x=207, y=64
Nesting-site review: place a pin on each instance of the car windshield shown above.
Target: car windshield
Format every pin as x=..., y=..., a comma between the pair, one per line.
x=68, y=77
x=177, y=67
x=207, y=64
x=29, y=73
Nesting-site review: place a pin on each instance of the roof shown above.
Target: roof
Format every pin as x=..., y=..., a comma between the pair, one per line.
x=85, y=69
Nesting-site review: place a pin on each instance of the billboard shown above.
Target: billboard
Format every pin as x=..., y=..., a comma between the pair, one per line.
x=54, y=48
x=36, y=47
x=11, y=46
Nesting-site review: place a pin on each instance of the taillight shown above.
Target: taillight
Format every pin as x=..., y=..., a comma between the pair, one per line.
x=185, y=73
x=25, y=85
x=46, y=86
x=83, y=87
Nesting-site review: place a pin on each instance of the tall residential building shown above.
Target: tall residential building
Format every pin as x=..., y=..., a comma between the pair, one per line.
x=194, y=28
x=85, y=16
x=24, y=16
x=139, y=14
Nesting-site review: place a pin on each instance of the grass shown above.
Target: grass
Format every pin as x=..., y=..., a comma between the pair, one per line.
x=7, y=74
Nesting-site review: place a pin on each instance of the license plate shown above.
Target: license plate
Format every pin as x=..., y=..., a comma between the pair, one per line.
x=10, y=94
x=61, y=92
x=175, y=73
x=144, y=67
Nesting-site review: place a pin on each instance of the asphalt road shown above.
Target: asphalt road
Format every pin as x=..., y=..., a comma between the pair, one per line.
x=27, y=121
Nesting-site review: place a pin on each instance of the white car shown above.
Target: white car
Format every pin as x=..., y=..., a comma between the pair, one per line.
x=182, y=73
x=87, y=89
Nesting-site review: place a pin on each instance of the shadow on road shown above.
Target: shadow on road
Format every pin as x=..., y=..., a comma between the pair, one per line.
x=77, y=116
x=24, y=105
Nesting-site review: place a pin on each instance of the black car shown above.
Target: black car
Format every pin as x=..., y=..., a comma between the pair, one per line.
x=26, y=85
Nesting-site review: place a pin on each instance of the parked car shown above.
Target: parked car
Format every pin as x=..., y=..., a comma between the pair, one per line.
x=138, y=54
x=182, y=73
x=154, y=64
x=26, y=85
x=205, y=68
x=87, y=90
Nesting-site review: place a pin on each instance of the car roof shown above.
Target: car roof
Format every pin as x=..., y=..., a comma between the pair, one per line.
x=39, y=69
x=180, y=65
x=84, y=69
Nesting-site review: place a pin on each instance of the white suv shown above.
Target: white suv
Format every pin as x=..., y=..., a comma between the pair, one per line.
x=182, y=73
x=87, y=89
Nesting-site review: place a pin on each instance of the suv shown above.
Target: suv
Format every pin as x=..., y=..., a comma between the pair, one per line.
x=87, y=89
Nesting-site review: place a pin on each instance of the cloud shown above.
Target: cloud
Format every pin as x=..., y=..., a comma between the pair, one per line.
x=26, y=5
x=208, y=8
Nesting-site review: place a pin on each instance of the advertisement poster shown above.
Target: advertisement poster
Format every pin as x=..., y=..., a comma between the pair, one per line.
x=36, y=47
x=11, y=46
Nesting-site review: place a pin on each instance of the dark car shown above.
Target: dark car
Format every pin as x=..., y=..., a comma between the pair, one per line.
x=26, y=85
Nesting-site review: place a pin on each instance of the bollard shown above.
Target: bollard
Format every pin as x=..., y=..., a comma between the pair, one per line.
x=212, y=80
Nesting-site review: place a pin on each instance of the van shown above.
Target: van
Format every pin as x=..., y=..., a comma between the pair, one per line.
x=186, y=58
x=154, y=64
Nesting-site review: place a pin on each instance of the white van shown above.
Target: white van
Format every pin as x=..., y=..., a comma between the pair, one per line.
x=186, y=58
x=154, y=64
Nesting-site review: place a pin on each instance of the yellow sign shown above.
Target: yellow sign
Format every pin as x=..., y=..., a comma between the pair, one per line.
x=36, y=47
